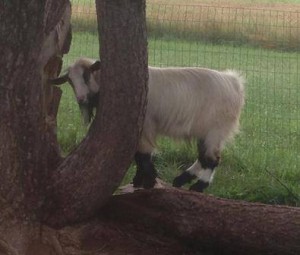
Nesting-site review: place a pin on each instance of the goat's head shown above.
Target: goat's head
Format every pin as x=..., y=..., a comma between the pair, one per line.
x=81, y=77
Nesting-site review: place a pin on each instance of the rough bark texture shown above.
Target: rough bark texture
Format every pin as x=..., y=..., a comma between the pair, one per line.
x=80, y=185
x=29, y=32
x=33, y=39
x=168, y=221
x=210, y=224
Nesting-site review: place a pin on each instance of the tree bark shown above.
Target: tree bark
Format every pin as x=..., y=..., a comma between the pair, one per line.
x=34, y=36
x=31, y=35
x=86, y=178
x=210, y=224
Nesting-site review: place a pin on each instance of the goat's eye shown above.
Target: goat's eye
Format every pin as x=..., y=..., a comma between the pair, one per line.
x=86, y=76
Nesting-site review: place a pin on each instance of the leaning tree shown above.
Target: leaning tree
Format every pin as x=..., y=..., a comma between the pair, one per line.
x=43, y=195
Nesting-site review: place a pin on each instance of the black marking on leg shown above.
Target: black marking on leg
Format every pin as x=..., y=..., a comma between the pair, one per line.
x=199, y=186
x=149, y=179
x=146, y=173
x=182, y=179
x=206, y=162
x=138, y=178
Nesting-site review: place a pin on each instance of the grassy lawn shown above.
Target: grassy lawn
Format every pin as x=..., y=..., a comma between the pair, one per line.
x=262, y=164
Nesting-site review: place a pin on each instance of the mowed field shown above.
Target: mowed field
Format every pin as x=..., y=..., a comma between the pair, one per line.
x=258, y=38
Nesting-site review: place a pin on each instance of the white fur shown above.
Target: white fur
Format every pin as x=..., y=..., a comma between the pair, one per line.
x=185, y=103
x=206, y=175
x=192, y=103
x=182, y=103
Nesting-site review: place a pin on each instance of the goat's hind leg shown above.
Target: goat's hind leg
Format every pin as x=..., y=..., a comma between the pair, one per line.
x=208, y=160
x=202, y=169
x=185, y=177
x=145, y=174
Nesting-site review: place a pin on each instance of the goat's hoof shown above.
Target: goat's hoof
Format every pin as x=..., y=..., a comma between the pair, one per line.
x=149, y=183
x=182, y=179
x=199, y=186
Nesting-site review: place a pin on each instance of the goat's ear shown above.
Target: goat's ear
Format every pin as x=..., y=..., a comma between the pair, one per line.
x=96, y=66
x=59, y=80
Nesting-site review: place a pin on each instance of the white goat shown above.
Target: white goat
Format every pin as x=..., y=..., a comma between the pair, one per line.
x=183, y=103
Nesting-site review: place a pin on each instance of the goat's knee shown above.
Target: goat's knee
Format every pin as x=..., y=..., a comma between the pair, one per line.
x=145, y=174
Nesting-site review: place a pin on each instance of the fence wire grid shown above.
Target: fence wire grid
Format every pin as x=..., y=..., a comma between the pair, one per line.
x=261, y=43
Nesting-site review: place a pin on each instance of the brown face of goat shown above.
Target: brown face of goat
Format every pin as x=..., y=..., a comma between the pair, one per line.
x=79, y=77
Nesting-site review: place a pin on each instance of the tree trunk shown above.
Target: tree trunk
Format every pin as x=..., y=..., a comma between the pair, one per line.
x=34, y=34
x=209, y=224
x=80, y=185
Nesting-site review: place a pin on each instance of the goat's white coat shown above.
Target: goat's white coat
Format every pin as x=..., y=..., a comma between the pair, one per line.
x=192, y=103
x=183, y=103
x=206, y=175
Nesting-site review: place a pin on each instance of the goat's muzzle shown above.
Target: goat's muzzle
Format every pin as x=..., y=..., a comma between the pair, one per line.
x=87, y=108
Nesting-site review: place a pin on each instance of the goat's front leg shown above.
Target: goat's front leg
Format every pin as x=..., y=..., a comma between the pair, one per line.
x=145, y=174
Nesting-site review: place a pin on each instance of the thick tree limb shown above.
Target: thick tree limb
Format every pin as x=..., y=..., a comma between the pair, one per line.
x=87, y=177
x=218, y=225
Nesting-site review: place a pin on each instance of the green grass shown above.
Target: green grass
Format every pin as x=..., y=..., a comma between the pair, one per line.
x=262, y=164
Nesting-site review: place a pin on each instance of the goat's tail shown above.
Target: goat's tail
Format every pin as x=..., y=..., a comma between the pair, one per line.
x=239, y=79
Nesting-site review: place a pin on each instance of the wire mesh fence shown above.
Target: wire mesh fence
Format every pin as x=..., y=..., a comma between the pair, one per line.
x=262, y=43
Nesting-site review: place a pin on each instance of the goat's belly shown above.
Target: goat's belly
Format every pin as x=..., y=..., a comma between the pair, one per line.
x=181, y=129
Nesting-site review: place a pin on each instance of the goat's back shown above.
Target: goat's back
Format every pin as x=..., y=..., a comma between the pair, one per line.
x=188, y=102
